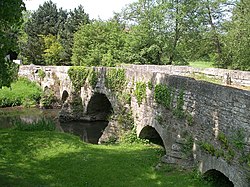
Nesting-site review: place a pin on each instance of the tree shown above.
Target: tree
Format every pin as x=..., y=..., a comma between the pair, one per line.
x=95, y=43
x=53, y=50
x=214, y=13
x=158, y=29
x=237, y=53
x=75, y=19
x=47, y=20
x=10, y=21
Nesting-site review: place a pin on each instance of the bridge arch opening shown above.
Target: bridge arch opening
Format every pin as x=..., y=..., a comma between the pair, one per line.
x=152, y=135
x=99, y=106
x=98, y=111
x=65, y=96
x=217, y=178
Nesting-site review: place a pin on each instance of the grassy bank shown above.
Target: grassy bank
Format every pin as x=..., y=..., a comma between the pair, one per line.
x=21, y=92
x=201, y=64
x=43, y=158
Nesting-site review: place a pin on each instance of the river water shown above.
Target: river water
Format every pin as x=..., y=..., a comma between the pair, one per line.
x=88, y=131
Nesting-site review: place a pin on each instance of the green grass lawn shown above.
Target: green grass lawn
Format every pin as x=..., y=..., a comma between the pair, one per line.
x=44, y=158
x=201, y=64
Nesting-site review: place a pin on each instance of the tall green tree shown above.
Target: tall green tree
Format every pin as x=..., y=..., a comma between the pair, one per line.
x=99, y=43
x=47, y=20
x=237, y=43
x=214, y=14
x=10, y=21
x=159, y=29
x=75, y=19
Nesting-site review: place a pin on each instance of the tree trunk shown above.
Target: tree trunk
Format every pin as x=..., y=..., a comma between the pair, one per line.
x=215, y=35
x=177, y=36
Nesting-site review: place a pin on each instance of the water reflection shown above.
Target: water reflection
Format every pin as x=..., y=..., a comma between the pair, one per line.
x=88, y=131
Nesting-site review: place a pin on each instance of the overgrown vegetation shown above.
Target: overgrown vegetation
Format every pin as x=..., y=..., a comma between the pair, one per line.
x=140, y=92
x=51, y=156
x=163, y=95
x=41, y=74
x=115, y=79
x=179, y=111
x=79, y=74
x=21, y=92
x=228, y=147
x=47, y=99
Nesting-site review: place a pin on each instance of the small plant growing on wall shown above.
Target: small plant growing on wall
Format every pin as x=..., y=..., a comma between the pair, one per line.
x=140, y=92
x=178, y=111
x=78, y=76
x=115, y=79
x=162, y=95
x=41, y=74
x=93, y=77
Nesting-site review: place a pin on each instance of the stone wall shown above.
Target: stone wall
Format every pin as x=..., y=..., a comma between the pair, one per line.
x=230, y=77
x=215, y=110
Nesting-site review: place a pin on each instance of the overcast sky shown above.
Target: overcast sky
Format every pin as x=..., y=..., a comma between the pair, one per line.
x=95, y=8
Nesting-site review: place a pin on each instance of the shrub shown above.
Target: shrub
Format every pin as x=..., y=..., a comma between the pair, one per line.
x=19, y=93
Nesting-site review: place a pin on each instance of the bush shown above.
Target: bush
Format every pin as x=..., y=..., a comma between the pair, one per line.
x=19, y=93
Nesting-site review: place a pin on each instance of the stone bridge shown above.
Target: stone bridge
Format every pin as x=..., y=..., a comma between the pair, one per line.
x=198, y=123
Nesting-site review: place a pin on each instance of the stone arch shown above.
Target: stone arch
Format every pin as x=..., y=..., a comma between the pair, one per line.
x=98, y=110
x=150, y=133
x=99, y=106
x=65, y=96
x=218, y=178
x=211, y=164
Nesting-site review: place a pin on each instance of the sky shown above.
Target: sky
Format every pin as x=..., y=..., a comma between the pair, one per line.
x=95, y=8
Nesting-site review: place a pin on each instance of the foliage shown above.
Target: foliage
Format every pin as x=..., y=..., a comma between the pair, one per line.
x=150, y=85
x=47, y=99
x=140, y=92
x=53, y=50
x=41, y=74
x=188, y=146
x=178, y=111
x=75, y=19
x=162, y=95
x=115, y=79
x=40, y=125
x=208, y=147
x=93, y=77
x=48, y=34
x=159, y=30
x=130, y=137
x=238, y=139
x=52, y=155
x=78, y=76
x=20, y=92
x=224, y=140
x=10, y=21
x=237, y=55
x=98, y=44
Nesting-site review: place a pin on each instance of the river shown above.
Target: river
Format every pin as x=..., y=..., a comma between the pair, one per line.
x=89, y=132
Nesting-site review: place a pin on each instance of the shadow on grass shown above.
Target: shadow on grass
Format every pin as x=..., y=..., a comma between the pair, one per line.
x=56, y=159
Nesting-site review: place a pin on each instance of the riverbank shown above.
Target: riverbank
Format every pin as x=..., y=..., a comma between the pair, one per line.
x=22, y=92
x=46, y=158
